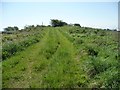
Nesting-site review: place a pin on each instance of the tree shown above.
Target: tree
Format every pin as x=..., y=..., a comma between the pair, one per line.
x=29, y=27
x=38, y=26
x=16, y=28
x=76, y=24
x=56, y=23
x=11, y=28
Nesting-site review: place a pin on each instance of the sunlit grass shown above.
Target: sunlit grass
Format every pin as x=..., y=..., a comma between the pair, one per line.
x=65, y=57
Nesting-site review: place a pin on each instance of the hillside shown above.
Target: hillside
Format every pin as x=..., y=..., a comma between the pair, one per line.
x=60, y=57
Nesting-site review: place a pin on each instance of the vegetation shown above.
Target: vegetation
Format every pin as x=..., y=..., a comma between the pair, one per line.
x=60, y=57
x=56, y=23
x=12, y=44
x=76, y=24
x=11, y=28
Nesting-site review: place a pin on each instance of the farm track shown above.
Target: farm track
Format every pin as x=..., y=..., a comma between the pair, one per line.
x=64, y=57
x=49, y=63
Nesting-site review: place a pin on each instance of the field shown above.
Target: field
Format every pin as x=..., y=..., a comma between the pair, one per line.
x=60, y=57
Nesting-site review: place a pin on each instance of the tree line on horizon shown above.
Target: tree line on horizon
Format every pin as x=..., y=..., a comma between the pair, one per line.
x=54, y=23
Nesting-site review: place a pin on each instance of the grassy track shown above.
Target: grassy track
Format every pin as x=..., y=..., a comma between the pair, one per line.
x=68, y=57
x=49, y=63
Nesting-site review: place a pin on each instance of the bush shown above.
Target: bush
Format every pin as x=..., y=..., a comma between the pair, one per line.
x=11, y=48
x=56, y=23
x=102, y=33
x=77, y=24
x=78, y=41
x=91, y=51
x=11, y=28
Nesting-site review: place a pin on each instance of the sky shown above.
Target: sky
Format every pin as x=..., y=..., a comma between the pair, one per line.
x=89, y=14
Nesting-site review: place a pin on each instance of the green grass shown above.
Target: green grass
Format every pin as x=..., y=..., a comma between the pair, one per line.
x=12, y=47
x=65, y=57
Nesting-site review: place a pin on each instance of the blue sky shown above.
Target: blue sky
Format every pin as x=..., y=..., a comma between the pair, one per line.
x=91, y=14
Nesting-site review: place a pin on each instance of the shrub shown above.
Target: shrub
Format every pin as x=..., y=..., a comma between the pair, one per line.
x=78, y=41
x=11, y=48
x=102, y=33
x=56, y=23
x=91, y=51
x=76, y=24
